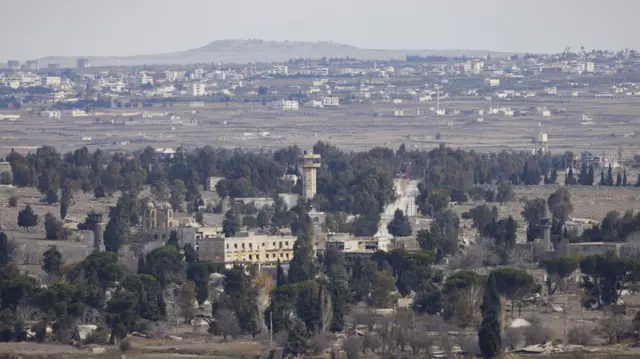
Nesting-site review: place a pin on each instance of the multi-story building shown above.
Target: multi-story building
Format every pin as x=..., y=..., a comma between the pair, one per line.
x=330, y=101
x=82, y=63
x=280, y=70
x=322, y=71
x=283, y=105
x=197, y=89
x=247, y=248
x=13, y=64
x=51, y=81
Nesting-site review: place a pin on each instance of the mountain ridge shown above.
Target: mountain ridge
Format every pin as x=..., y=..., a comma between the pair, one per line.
x=255, y=51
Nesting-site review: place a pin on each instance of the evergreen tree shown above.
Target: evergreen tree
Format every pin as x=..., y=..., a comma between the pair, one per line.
x=231, y=223
x=338, y=286
x=281, y=277
x=638, y=180
x=554, y=176
x=603, y=180
x=27, y=217
x=619, y=179
x=52, y=261
x=610, y=176
x=141, y=264
x=6, y=250
x=173, y=239
x=399, y=226
x=65, y=201
x=624, y=178
x=570, y=180
x=592, y=175
x=489, y=334
x=303, y=264
x=190, y=254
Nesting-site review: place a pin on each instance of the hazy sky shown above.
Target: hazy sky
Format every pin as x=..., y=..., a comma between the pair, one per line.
x=36, y=28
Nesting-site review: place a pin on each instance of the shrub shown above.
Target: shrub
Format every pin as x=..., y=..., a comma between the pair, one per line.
x=100, y=336
x=536, y=333
x=512, y=337
x=579, y=335
x=125, y=346
x=13, y=201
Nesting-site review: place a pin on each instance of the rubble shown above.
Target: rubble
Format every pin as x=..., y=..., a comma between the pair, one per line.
x=549, y=348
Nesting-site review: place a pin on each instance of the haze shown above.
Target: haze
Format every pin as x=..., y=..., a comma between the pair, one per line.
x=131, y=27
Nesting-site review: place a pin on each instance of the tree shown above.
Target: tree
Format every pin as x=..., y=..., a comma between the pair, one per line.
x=52, y=261
x=619, y=179
x=338, y=287
x=53, y=227
x=281, y=277
x=560, y=206
x=610, y=176
x=150, y=306
x=226, y=324
x=570, y=178
x=442, y=236
x=178, y=193
x=199, y=218
x=173, y=239
x=164, y=264
x=27, y=218
x=382, y=284
x=605, y=278
x=505, y=192
x=122, y=314
x=6, y=178
x=6, y=250
x=489, y=333
x=303, y=264
x=399, y=226
x=65, y=201
x=624, y=178
x=231, y=223
x=558, y=269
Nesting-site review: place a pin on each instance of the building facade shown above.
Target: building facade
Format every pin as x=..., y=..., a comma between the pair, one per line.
x=247, y=248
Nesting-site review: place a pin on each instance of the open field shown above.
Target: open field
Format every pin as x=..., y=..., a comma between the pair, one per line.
x=353, y=127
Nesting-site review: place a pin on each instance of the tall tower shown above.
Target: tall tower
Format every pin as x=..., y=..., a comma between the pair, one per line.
x=309, y=162
x=545, y=227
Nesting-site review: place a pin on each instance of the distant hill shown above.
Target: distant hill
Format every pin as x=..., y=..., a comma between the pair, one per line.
x=246, y=51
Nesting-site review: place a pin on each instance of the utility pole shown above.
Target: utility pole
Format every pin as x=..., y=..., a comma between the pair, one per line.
x=271, y=329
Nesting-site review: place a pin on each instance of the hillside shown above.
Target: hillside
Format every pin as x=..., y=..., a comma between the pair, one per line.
x=247, y=51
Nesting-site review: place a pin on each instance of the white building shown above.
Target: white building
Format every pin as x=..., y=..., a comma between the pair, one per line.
x=51, y=81
x=492, y=82
x=51, y=114
x=322, y=71
x=330, y=101
x=283, y=105
x=197, y=89
x=280, y=70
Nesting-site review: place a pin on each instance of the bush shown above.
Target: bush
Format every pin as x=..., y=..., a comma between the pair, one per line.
x=99, y=337
x=125, y=346
x=13, y=201
x=579, y=335
x=536, y=333
x=6, y=178
x=512, y=337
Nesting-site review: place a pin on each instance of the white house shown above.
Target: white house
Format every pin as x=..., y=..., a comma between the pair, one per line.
x=283, y=105
x=197, y=89
x=330, y=101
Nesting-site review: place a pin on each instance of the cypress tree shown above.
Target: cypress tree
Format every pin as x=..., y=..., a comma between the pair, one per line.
x=610, y=176
x=624, y=178
x=638, y=181
x=554, y=176
x=592, y=176
x=603, y=181
x=281, y=278
x=303, y=264
x=619, y=179
x=489, y=336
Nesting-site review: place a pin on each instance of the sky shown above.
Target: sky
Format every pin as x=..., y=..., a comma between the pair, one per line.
x=37, y=28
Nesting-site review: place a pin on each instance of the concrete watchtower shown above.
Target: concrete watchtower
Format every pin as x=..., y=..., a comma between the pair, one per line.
x=309, y=163
x=545, y=227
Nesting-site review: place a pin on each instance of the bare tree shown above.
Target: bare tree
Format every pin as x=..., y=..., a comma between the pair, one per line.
x=512, y=338
x=421, y=342
x=226, y=324
x=537, y=333
x=186, y=299
x=93, y=316
x=371, y=342
x=319, y=343
x=469, y=344
x=579, y=335
x=613, y=328
x=26, y=313
x=386, y=330
x=352, y=347
x=466, y=311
